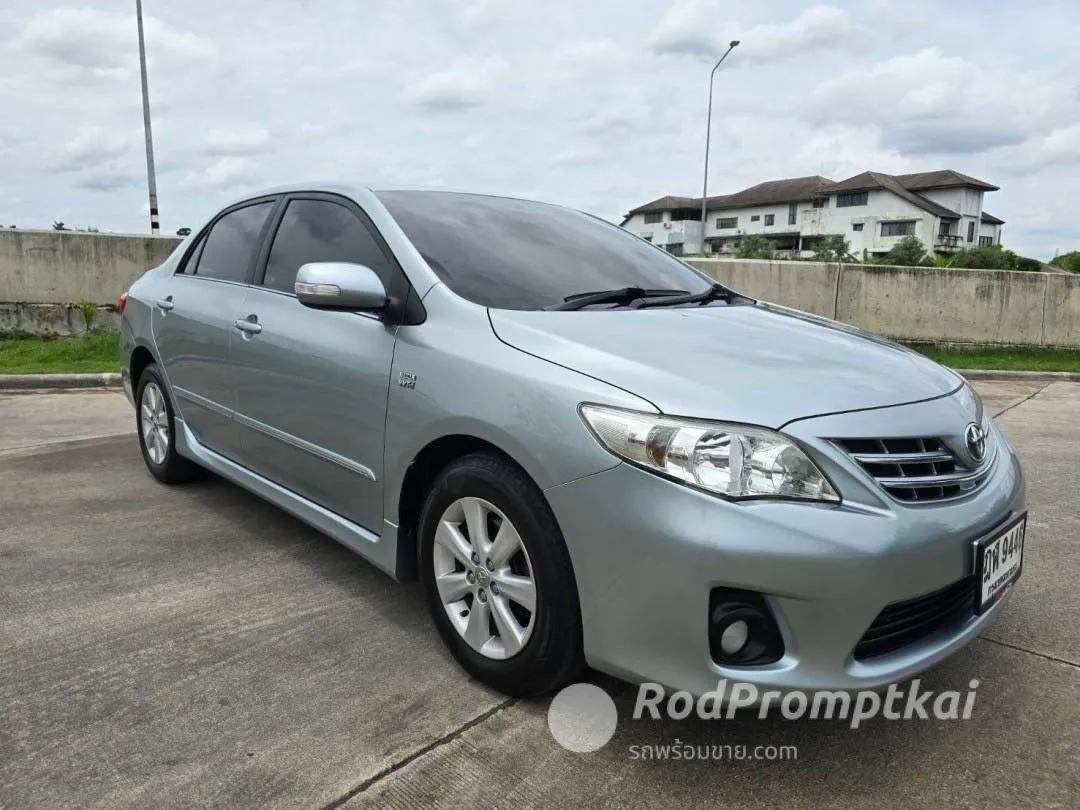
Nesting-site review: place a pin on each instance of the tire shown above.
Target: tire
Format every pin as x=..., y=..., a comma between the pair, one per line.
x=156, y=427
x=486, y=489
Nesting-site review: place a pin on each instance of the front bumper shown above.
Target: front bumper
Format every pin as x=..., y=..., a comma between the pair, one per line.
x=647, y=552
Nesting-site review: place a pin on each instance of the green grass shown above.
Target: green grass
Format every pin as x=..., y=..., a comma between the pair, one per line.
x=24, y=354
x=1010, y=358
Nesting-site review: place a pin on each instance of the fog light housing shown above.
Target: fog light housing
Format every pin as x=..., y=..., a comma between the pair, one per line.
x=742, y=630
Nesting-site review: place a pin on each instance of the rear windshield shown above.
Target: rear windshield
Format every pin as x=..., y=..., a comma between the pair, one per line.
x=514, y=254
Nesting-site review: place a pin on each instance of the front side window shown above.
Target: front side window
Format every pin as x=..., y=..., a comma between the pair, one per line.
x=321, y=231
x=515, y=254
x=228, y=252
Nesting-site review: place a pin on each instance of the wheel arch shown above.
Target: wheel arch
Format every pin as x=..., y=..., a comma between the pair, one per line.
x=419, y=476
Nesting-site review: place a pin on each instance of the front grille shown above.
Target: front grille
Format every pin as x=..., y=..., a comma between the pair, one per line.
x=903, y=623
x=917, y=469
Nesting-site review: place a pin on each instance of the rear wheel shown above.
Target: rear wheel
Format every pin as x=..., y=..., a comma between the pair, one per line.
x=498, y=578
x=156, y=426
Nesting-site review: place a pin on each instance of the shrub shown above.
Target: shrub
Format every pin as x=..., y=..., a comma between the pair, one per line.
x=89, y=312
x=832, y=248
x=754, y=246
x=907, y=252
x=1069, y=262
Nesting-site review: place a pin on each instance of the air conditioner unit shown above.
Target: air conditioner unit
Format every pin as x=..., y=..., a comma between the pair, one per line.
x=667, y=226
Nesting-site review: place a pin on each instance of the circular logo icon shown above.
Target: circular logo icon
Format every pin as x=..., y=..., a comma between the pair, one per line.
x=975, y=439
x=582, y=718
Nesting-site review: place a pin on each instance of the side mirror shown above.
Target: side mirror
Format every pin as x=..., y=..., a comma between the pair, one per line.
x=339, y=285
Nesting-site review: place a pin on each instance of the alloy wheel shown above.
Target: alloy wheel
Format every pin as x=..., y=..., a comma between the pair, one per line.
x=154, y=422
x=484, y=578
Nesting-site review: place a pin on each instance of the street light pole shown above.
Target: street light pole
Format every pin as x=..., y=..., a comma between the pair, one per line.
x=708, y=133
x=151, y=179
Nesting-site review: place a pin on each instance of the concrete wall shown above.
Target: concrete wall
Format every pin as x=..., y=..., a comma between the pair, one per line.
x=58, y=267
x=926, y=304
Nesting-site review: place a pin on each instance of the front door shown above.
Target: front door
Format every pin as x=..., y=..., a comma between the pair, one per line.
x=312, y=384
x=193, y=323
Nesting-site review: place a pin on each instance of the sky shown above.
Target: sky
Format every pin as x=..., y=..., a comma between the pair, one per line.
x=600, y=106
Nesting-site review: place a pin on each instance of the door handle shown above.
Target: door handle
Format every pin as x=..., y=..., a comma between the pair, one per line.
x=165, y=304
x=248, y=327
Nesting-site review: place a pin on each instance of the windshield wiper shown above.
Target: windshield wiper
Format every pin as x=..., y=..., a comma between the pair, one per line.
x=717, y=292
x=623, y=295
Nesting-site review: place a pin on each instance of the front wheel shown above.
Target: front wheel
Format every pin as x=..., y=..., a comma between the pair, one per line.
x=498, y=578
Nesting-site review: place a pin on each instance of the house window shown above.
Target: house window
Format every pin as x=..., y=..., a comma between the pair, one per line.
x=654, y=217
x=820, y=202
x=850, y=200
x=755, y=217
x=724, y=223
x=971, y=231
x=905, y=228
x=792, y=213
x=856, y=226
x=943, y=228
x=770, y=219
x=986, y=240
x=647, y=237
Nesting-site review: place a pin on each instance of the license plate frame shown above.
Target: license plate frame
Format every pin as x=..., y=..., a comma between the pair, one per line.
x=985, y=600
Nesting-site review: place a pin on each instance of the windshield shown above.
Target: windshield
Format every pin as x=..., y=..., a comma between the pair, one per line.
x=515, y=254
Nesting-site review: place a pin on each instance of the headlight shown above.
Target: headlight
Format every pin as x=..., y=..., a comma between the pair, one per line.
x=735, y=461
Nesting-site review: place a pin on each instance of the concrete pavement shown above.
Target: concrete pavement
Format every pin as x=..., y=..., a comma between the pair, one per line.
x=193, y=646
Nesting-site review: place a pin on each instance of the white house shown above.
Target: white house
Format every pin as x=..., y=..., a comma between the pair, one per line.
x=944, y=209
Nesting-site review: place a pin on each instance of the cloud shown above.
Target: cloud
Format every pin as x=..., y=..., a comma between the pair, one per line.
x=239, y=142
x=226, y=172
x=109, y=180
x=692, y=28
x=577, y=156
x=927, y=102
x=467, y=84
x=104, y=44
x=90, y=145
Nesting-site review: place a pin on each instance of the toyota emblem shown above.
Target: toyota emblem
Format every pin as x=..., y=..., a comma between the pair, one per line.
x=975, y=439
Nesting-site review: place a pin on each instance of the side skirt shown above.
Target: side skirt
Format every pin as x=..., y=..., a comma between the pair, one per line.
x=380, y=550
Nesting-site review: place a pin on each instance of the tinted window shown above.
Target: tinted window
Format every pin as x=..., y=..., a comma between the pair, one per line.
x=320, y=231
x=513, y=254
x=229, y=251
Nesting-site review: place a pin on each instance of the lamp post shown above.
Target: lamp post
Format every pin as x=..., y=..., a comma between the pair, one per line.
x=708, y=133
x=151, y=179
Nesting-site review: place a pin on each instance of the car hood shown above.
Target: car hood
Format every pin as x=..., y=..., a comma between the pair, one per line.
x=755, y=363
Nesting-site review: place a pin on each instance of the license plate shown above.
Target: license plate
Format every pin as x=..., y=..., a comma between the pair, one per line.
x=998, y=560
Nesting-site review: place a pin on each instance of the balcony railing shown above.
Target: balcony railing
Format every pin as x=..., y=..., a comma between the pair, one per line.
x=947, y=240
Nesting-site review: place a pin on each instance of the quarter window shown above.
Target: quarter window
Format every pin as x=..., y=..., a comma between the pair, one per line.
x=321, y=231
x=228, y=252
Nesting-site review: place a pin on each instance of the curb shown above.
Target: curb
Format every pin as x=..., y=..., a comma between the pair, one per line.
x=15, y=382
x=1019, y=376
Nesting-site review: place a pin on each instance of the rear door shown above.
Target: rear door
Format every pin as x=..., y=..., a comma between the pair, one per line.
x=312, y=384
x=194, y=321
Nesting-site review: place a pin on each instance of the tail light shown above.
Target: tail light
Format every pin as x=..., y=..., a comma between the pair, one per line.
x=121, y=302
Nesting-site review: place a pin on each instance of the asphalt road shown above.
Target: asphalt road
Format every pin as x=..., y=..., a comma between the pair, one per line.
x=193, y=646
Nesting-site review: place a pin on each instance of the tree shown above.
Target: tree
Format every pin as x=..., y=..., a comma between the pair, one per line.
x=754, y=246
x=907, y=252
x=1070, y=262
x=58, y=226
x=832, y=248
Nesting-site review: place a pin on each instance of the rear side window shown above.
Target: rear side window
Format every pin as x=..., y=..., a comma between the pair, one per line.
x=321, y=231
x=228, y=252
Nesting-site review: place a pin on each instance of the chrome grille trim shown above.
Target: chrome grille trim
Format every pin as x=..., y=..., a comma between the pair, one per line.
x=918, y=469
